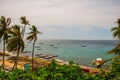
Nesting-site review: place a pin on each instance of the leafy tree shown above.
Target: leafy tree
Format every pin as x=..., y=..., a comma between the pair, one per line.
x=33, y=37
x=15, y=42
x=4, y=26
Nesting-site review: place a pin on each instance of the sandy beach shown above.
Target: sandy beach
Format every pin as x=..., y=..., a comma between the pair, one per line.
x=38, y=62
x=10, y=58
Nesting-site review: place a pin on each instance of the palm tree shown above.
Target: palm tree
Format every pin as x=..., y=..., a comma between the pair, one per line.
x=116, y=34
x=115, y=50
x=116, y=30
x=33, y=37
x=25, y=22
x=4, y=26
x=15, y=42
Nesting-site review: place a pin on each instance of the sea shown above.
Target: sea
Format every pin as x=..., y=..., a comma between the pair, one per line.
x=79, y=51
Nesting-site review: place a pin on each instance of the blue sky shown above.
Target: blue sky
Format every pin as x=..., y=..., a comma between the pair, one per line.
x=66, y=19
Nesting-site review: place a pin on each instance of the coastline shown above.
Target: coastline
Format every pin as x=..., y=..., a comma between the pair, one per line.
x=72, y=49
x=39, y=62
x=84, y=68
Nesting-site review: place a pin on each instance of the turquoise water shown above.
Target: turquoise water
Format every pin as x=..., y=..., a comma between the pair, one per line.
x=80, y=51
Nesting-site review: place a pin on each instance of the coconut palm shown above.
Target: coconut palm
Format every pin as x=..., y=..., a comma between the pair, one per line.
x=25, y=22
x=15, y=42
x=4, y=26
x=33, y=37
x=116, y=30
x=115, y=50
x=116, y=34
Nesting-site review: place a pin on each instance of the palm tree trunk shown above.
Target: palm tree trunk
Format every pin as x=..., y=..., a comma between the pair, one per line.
x=3, y=54
x=15, y=63
x=119, y=40
x=23, y=31
x=33, y=54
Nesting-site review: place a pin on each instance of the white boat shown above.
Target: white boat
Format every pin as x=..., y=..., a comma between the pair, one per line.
x=98, y=61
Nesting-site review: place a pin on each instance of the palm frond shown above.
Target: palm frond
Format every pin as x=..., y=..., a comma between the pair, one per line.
x=24, y=20
x=115, y=50
x=30, y=37
x=16, y=30
x=15, y=40
x=114, y=28
x=33, y=33
x=4, y=26
x=118, y=21
x=1, y=32
x=8, y=21
x=117, y=32
x=12, y=44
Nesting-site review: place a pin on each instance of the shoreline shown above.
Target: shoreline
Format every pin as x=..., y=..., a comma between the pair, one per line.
x=77, y=53
x=84, y=68
x=41, y=61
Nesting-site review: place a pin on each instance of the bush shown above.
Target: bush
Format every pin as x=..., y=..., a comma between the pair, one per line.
x=62, y=72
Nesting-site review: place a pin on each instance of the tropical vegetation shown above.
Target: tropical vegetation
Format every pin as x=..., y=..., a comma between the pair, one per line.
x=13, y=38
x=15, y=42
x=116, y=30
x=4, y=27
x=116, y=34
x=25, y=22
x=62, y=72
x=33, y=36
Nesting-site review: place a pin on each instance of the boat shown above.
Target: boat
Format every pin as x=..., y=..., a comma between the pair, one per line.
x=83, y=46
x=39, y=49
x=58, y=43
x=98, y=61
x=26, y=52
x=38, y=55
x=51, y=45
x=55, y=47
x=46, y=56
x=41, y=43
x=37, y=46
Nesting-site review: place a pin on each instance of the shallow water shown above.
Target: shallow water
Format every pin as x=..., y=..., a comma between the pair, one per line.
x=80, y=51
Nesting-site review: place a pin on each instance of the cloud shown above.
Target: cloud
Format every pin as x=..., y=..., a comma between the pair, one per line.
x=69, y=15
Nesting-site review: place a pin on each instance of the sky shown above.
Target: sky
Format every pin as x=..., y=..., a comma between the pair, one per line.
x=66, y=19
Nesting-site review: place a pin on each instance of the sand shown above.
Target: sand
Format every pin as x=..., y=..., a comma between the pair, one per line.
x=9, y=62
x=38, y=62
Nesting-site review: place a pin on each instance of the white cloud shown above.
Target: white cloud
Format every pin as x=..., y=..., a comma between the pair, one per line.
x=84, y=13
x=64, y=12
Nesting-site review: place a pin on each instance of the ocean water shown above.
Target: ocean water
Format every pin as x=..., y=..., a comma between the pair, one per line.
x=80, y=51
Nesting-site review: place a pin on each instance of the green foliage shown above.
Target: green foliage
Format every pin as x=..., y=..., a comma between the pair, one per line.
x=71, y=62
x=52, y=71
x=24, y=21
x=33, y=33
x=58, y=72
x=116, y=30
x=62, y=72
x=115, y=50
x=33, y=36
x=4, y=27
x=15, y=39
x=115, y=70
